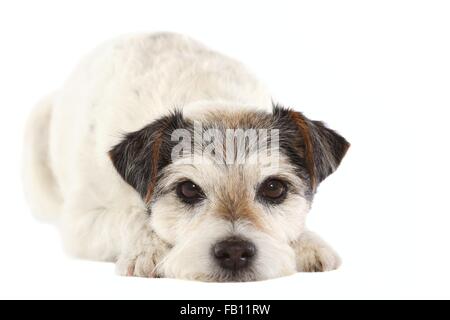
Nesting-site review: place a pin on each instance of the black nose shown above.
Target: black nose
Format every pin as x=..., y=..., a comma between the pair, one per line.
x=234, y=254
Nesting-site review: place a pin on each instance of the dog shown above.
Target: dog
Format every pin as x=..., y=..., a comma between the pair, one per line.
x=172, y=160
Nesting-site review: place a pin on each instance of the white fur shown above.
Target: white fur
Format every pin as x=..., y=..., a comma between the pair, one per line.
x=122, y=86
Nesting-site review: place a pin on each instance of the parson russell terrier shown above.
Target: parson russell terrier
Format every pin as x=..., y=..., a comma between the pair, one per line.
x=171, y=160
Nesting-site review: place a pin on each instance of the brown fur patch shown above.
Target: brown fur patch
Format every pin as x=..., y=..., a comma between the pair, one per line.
x=154, y=163
x=302, y=124
x=235, y=205
x=239, y=119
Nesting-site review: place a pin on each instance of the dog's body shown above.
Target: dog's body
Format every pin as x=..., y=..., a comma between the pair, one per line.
x=79, y=175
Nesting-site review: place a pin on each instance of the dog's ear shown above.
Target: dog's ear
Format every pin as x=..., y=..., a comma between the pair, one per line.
x=141, y=155
x=311, y=143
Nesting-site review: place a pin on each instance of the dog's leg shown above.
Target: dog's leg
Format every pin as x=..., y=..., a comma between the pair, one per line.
x=105, y=234
x=314, y=255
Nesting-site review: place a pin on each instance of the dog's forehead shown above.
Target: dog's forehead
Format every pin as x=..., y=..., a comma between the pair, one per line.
x=231, y=148
x=231, y=136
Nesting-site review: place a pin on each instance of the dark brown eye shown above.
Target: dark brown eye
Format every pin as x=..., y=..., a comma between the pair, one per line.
x=273, y=191
x=189, y=192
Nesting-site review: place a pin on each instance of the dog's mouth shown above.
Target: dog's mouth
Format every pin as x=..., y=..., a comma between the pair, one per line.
x=230, y=276
x=243, y=278
x=236, y=276
x=219, y=276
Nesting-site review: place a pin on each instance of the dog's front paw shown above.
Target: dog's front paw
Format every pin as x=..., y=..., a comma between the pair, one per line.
x=142, y=265
x=140, y=258
x=314, y=255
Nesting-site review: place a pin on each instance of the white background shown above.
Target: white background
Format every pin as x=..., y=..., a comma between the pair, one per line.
x=377, y=71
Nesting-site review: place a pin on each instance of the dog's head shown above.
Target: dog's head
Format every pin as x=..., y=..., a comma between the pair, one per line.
x=229, y=191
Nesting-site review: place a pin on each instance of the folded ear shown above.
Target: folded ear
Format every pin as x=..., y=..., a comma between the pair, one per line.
x=319, y=148
x=141, y=155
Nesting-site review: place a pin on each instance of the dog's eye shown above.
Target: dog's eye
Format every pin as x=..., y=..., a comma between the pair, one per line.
x=189, y=192
x=273, y=191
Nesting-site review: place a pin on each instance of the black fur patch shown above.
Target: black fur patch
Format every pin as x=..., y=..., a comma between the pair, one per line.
x=141, y=155
x=309, y=144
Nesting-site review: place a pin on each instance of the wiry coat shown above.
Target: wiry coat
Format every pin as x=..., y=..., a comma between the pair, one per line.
x=80, y=174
